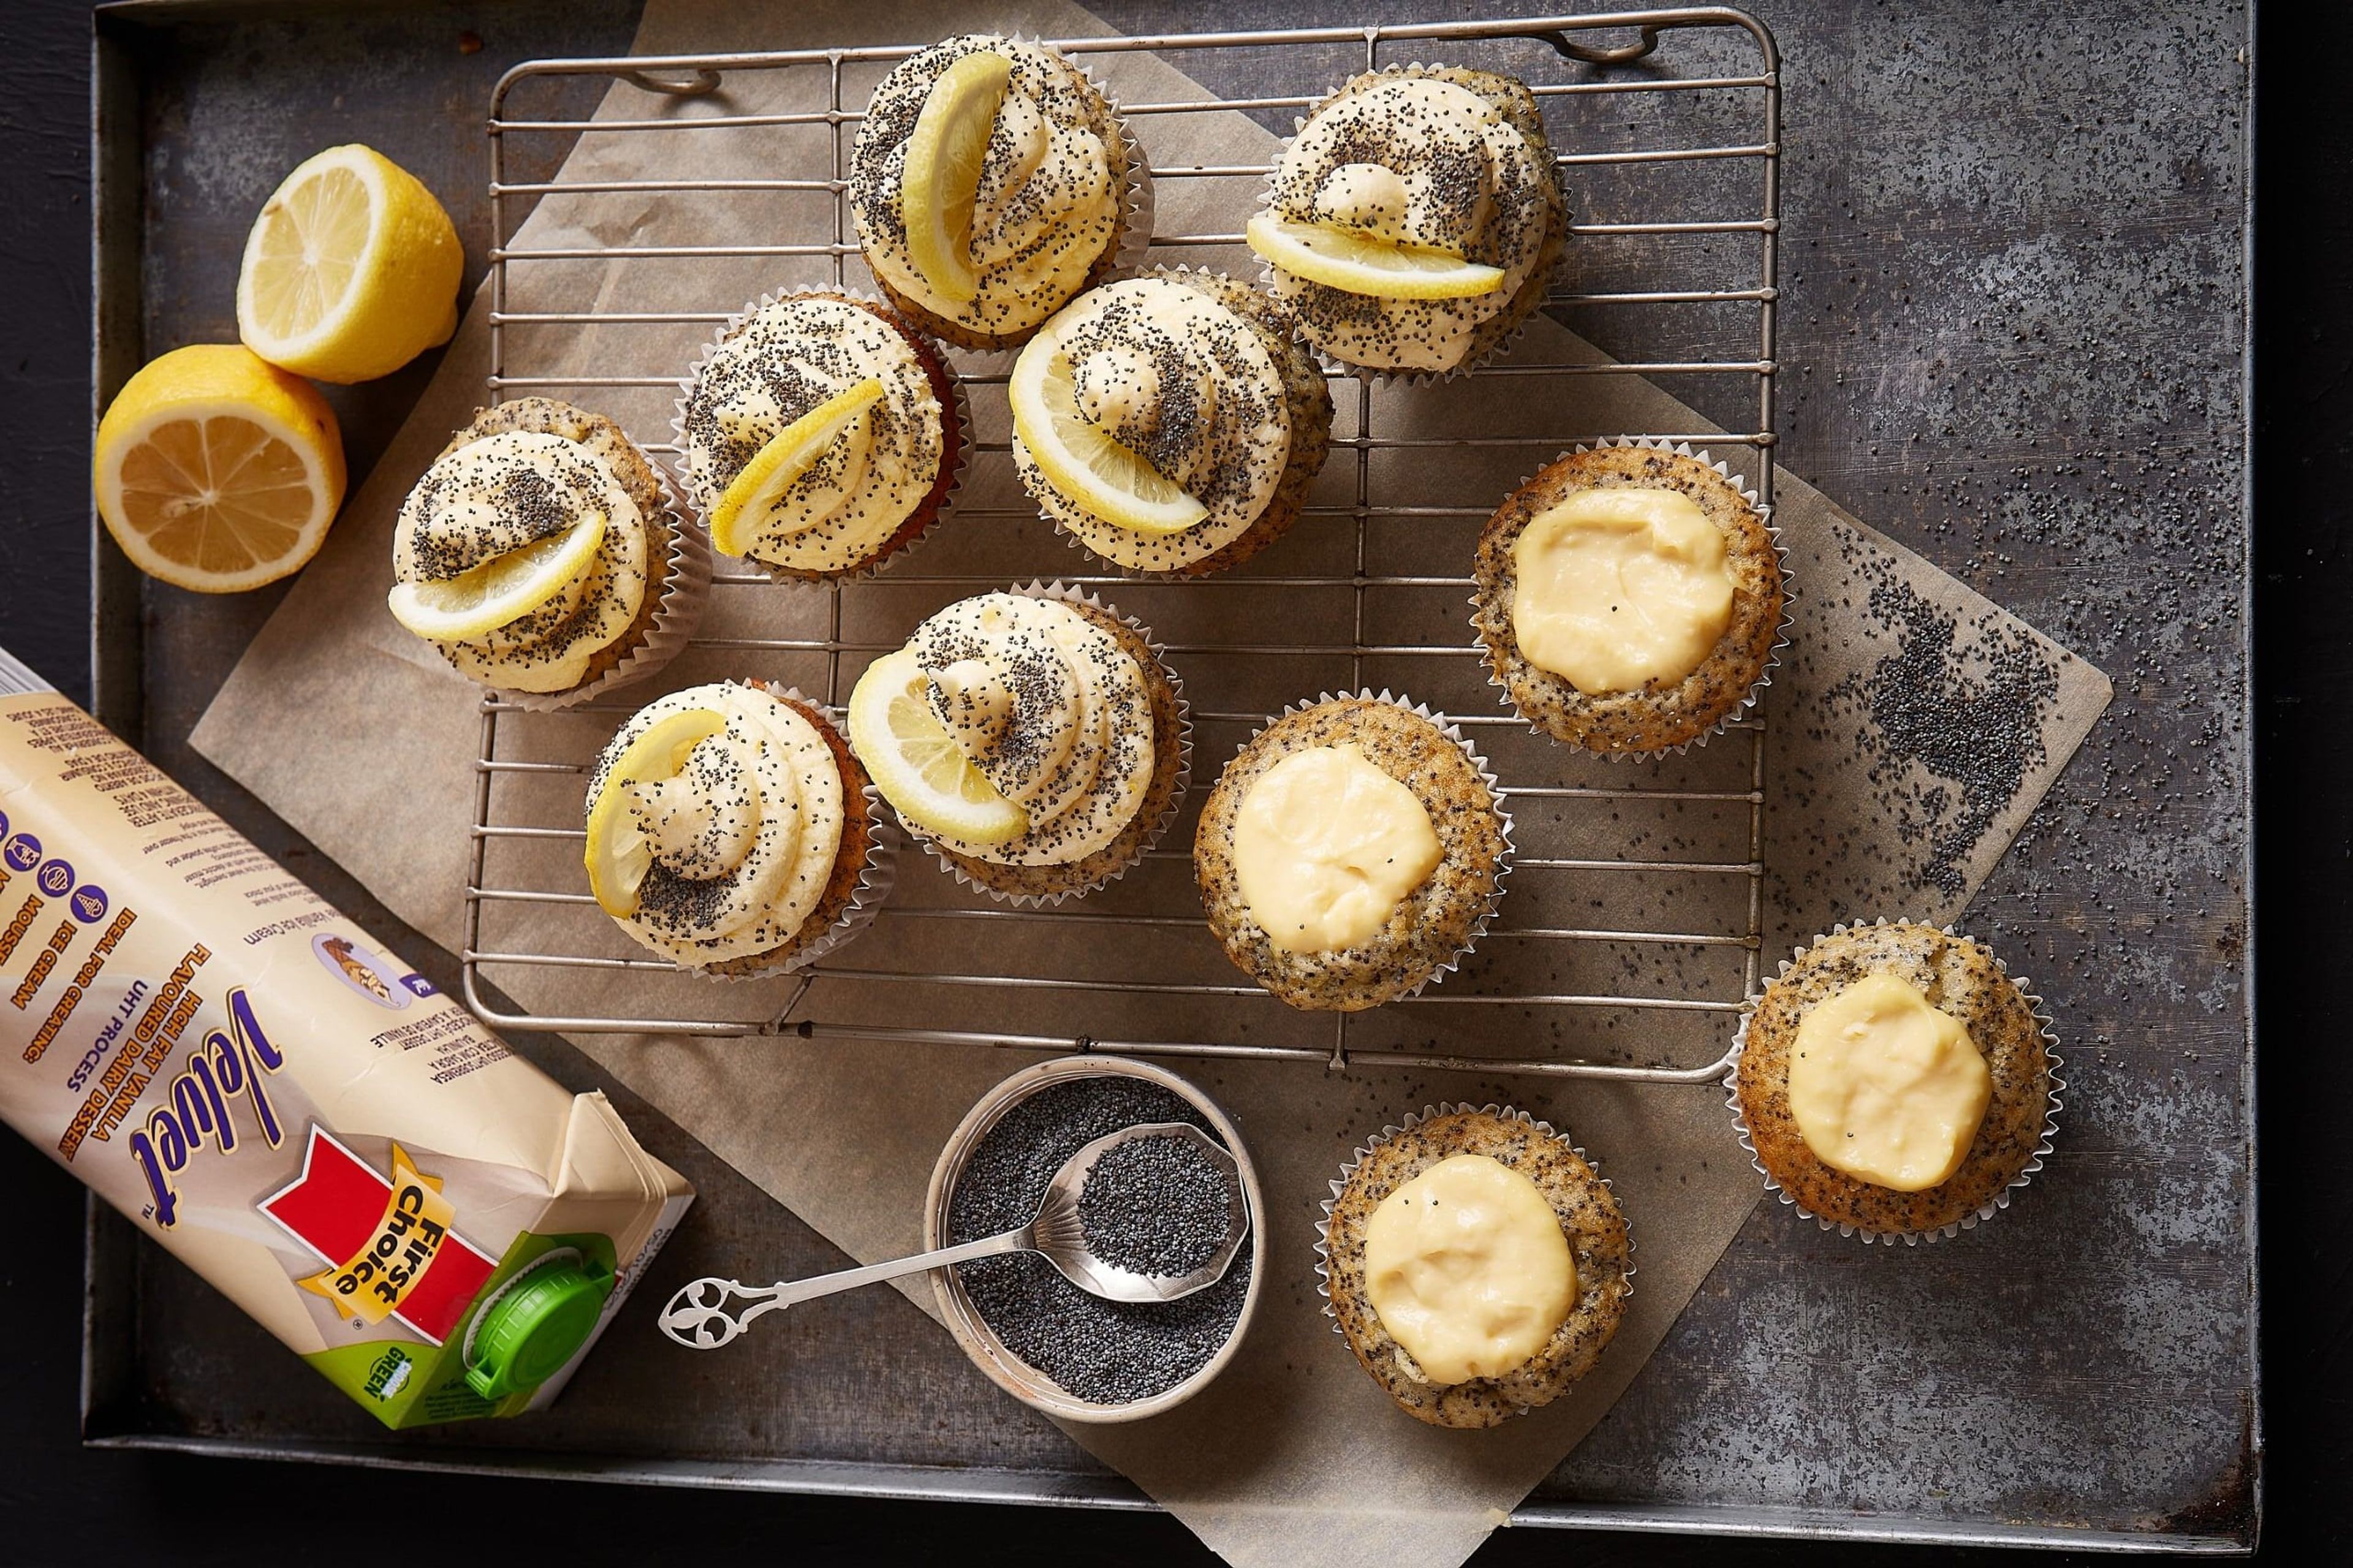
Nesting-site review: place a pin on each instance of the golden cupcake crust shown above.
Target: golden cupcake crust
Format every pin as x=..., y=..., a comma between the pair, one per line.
x=638, y=478
x=848, y=859
x=1045, y=882
x=1958, y=977
x=1657, y=716
x=1509, y=98
x=1430, y=925
x=1589, y=1218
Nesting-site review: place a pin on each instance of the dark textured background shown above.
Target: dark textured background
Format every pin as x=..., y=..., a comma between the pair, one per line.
x=124, y=1503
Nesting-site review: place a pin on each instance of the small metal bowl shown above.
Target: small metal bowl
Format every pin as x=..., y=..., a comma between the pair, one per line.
x=989, y=1352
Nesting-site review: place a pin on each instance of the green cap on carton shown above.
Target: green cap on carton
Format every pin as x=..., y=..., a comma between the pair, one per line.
x=534, y=1326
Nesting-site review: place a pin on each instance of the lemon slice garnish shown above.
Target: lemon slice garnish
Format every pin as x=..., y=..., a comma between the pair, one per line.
x=1359, y=264
x=618, y=854
x=1079, y=459
x=503, y=588
x=752, y=493
x=216, y=472
x=917, y=765
x=350, y=270
x=944, y=155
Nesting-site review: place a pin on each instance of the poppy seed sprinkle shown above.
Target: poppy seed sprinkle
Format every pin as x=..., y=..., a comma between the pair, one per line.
x=1109, y=1353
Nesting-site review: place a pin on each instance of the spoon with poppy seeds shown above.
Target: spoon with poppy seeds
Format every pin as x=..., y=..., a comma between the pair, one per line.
x=1075, y=1237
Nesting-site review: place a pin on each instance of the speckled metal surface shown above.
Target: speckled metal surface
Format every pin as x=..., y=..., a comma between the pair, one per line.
x=2012, y=339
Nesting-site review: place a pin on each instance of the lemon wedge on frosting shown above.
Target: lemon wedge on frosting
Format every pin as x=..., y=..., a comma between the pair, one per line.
x=503, y=588
x=943, y=158
x=618, y=854
x=1359, y=263
x=917, y=765
x=752, y=493
x=1080, y=458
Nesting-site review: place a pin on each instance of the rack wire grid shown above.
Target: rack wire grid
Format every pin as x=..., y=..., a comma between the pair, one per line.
x=1628, y=938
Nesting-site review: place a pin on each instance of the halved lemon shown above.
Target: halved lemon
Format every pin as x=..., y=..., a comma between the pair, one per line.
x=618, y=854
x=917, y=765
x=350, y=270
x=215, y=471
x=1359, y=264
x=944, y=156
x=1079, y=459
x=752, y=492
x=502, y=589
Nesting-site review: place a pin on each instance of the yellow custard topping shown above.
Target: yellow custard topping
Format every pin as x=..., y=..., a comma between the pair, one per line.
x=1619, y=589
x=1468, y=1268
x=1325, y=847
x=1885, y=1087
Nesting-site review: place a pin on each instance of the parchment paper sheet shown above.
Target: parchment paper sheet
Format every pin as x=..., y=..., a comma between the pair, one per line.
x=356, y=734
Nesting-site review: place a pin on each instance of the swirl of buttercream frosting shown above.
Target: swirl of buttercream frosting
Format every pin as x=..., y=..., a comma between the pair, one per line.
x=498, y=494
x=743, y=835
x=1053, y=712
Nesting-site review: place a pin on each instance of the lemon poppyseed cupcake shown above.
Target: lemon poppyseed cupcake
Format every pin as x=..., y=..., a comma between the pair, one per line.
x=1895, y=1081
x=539, y=554
x=992, y=182
x=1352, y=852
x=1415, y=219
x=1170, y=423
x=1475, y=1264
x=730, y=830
x=1630, y=598
x=1034, y=741
x=819, y=436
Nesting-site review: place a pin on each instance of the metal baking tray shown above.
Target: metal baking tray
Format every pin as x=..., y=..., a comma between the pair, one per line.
x=199, y=105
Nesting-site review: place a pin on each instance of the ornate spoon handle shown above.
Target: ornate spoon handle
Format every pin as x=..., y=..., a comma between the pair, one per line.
x=698, y=1316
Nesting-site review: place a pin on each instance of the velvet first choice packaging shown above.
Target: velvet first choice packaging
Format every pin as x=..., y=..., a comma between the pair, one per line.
x=437, y=1225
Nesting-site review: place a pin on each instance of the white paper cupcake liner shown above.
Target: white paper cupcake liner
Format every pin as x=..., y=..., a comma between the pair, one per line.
x=1154, y=832
x=1430, y=1112
x=1333, y=365
x=1185, y=574
x=1756, y=692
x=876, y=875
x=2052, y=1105
x=686, y=586
x=1495, y=793
x=959, y=409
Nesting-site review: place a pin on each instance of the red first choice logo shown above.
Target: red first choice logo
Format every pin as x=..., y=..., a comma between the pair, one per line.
x=338, y=1208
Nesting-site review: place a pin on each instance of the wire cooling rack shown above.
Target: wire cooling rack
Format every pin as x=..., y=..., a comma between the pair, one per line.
x=1629, y=937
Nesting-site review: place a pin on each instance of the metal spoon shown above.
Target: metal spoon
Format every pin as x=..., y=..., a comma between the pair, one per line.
x=699, y=1318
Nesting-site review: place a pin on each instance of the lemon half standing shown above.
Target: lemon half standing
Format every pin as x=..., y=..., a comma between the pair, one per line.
x=917, y=765
x=216, y=472
x=942, y=173
x=1359, y=263
x=1082, y=460
x=350, y=270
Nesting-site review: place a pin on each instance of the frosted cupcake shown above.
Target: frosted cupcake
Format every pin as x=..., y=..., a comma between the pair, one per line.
x=1170, y=423
x=730, y=830
x=1629, y=599
x=991, y=182
x=537, y=553
x=1414, y=220
x=1033, y=741
x=1351, y=853
x=819, y=436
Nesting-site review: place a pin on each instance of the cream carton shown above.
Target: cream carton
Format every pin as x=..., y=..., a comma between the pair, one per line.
x=437, y=1225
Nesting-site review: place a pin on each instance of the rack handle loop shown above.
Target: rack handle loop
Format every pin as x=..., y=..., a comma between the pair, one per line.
x=1624, y=55
x=703, y=80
